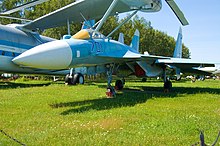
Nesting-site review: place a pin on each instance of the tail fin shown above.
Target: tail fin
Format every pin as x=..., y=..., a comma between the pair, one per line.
x=88, y=24
x=178, y=48
x=135, y=41
x=121, y=38
x=178, y=52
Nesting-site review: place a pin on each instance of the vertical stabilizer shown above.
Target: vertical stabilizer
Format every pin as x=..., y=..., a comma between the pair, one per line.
x=135, y=41
x=178, y=48
x=178, y=51
x=88, y=24
x=121, y=38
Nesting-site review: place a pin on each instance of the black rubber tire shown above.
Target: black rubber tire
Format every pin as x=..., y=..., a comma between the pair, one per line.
x=78, y=78
x=119, y=85
x=168, y=85
x=68, y=80
x=144, y=80
x=74, y=80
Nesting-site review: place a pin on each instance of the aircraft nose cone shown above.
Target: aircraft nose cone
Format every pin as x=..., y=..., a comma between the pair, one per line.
x=52, y=55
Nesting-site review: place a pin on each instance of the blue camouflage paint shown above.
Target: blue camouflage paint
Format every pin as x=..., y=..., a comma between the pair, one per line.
x=91, y=48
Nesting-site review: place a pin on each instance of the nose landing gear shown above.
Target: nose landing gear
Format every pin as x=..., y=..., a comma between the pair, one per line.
x=74, y=79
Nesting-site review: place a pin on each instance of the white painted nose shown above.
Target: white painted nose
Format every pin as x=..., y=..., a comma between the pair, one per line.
x=52, y=55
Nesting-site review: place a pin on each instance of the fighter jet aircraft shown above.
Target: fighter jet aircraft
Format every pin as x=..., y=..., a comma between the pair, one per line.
x=89, y=47
x=212, y=70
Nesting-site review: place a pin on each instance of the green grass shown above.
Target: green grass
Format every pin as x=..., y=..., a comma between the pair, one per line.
x=44, y=113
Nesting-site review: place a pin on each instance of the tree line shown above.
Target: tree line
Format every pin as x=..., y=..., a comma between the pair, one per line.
x=153, y=41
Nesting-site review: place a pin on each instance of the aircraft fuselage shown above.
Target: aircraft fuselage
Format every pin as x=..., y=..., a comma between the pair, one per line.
x=84, y=50
x=62, y=54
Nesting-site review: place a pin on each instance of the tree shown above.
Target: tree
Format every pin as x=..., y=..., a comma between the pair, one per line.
x=7, y=5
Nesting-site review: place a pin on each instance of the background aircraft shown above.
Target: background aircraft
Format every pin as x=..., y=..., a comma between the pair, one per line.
x=212, y=70
x=16, y=39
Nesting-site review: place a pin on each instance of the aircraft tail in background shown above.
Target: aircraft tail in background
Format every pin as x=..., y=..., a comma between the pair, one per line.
x=121, y=38
x=178, y=51
x=135, y=41
x=178, y=48
x=88, y=24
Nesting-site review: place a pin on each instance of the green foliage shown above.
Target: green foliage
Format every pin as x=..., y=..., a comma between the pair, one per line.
x=22, y=79
x=153, y=41
x=45, y=8
x=7, y=5
x=38, y=113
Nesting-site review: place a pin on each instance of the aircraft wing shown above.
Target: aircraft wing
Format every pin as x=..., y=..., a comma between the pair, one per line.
x=186, y=65
x=152, y=58
x=74, y=12
x=130, y=56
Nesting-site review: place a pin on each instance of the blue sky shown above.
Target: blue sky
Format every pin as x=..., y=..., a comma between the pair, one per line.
x=202, y=35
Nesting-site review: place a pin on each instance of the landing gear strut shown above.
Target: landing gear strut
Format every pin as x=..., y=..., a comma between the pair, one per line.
x=110, y=90
x=167, y=83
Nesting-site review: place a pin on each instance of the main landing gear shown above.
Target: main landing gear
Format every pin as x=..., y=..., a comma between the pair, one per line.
x=119, y=84
x=167, y=83
x=110, y=90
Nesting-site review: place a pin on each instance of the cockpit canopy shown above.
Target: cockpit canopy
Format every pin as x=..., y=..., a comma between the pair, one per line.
x=86, y=34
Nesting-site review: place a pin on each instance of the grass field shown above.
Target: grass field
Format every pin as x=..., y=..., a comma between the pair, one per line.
x=44, y=113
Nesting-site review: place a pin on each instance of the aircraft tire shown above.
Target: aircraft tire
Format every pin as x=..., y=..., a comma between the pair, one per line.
x=119, y=85
x=144, y=80
x=68, y=80
x=78, y=78
x=168, y=85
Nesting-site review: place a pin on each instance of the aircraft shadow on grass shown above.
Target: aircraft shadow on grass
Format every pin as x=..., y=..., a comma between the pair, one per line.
x=129, y=98
x=11, y=85
x=121, y=100
x=176, y=90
